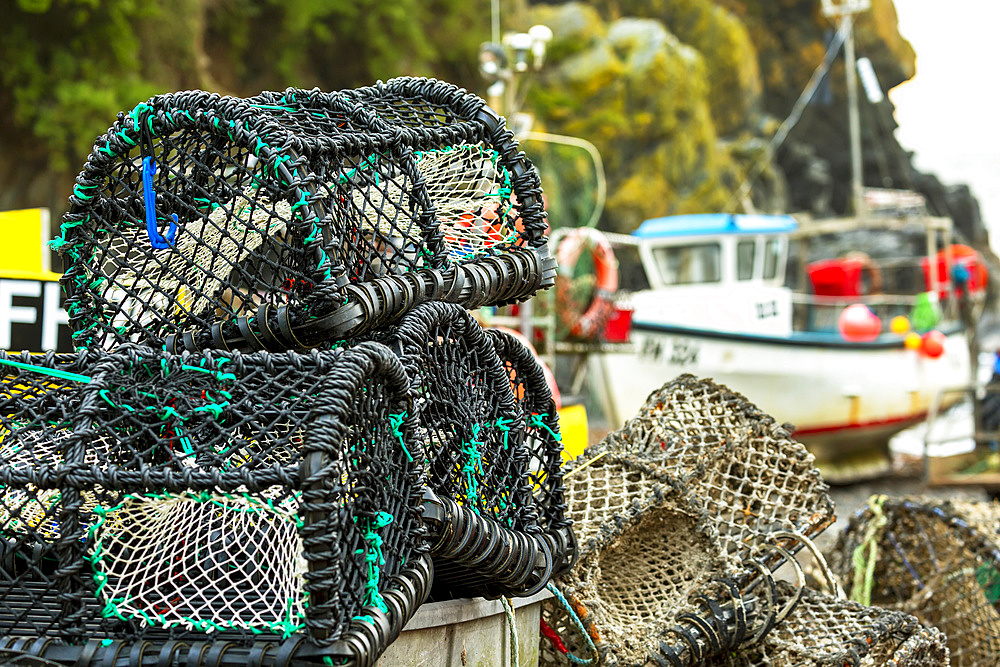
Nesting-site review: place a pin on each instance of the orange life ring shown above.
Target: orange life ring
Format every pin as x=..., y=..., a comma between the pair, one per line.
x=586, y=324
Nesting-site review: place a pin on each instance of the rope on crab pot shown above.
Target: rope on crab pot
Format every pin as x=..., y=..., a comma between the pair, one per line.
x=220, y=498
x=296, y=219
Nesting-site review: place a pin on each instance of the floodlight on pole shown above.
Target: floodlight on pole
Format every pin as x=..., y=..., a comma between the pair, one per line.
x=541, y=35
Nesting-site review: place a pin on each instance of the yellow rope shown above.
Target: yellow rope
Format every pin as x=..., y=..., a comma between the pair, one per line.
x=576, y=470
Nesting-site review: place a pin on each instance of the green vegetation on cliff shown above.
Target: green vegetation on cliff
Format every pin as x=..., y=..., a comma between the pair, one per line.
x=680, y=96
x=67, y=67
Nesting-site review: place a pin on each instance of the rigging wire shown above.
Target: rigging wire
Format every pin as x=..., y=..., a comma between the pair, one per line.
x=601, y=194
x=795, y=115
x=883, y=139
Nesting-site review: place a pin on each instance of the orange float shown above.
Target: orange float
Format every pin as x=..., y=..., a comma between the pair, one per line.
x=858, y=324
x=932, y=344
x=956, y=254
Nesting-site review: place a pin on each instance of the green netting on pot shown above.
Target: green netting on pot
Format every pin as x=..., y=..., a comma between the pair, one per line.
x=937, y=560
x=544, y=441
x=653, y=583
x=486, y=536
x=286, y=221
x=249, y=498
x=468, y=417
x=824, y=631
x=739, y=464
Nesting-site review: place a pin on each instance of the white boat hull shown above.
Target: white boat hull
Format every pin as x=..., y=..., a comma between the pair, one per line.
x=845, y=396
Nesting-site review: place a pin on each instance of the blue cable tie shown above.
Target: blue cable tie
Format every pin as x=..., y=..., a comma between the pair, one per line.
x=155, y=240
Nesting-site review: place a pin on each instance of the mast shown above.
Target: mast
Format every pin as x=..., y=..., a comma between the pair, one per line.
x=845, y=11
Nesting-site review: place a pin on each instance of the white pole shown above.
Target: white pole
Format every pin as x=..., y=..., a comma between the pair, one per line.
x=495, y=22
x=857, y=186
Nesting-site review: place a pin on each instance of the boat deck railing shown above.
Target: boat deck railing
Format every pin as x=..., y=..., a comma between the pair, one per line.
x=821, y=313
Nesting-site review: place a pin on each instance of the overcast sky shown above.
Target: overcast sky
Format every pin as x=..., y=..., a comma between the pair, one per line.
x=949, y=114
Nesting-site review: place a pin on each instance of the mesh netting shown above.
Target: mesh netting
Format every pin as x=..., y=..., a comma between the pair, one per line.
x=217, y=495
x=644, y=556
x=203, y=561
x=826, y=631
x=507, y=524
x=755, y=491
x=739, y=465
x=543, y=440
x=469, y=420
x=936, y=560
x=36, y=416
x=31, y=510
x=291, y=219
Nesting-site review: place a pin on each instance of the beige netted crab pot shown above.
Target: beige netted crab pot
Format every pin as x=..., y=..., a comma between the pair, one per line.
x=938, y=560
x=645, y=556
x=740, y=466
x=825, y=630
x=744, y=485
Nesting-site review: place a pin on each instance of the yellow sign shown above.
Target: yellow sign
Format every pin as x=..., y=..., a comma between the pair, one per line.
x=25, y=234
x=31, y=313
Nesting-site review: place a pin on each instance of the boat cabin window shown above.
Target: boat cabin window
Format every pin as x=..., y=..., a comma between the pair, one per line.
x=690, y=264
x=631, y=274
x=746, y=253
x=772, y=253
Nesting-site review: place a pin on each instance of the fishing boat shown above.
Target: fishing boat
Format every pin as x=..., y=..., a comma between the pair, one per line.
x=849, y=347
x=713, y=295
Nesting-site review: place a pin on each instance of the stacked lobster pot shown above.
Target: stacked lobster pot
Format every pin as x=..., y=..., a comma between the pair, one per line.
x=938, y=560
x=684, y=517
x=281, y=431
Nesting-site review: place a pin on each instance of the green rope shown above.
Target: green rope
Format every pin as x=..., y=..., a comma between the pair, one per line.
x=536, y=421
x=504, y=425
x=988, y=579
x=395, y=421
x=54, y=372
x=141, y=108
x=508, y=608
x=273, y=107
x=473, y=459
x=78, y=191
x=219, y=375
x=374, y=559
x=103, y=393
x=864, y=565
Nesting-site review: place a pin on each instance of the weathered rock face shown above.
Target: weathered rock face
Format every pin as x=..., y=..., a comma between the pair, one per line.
x=724, y=44
x=682, y=97
x=645, y=99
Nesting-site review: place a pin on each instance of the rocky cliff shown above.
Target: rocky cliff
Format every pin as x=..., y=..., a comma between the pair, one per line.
x=682, y=97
